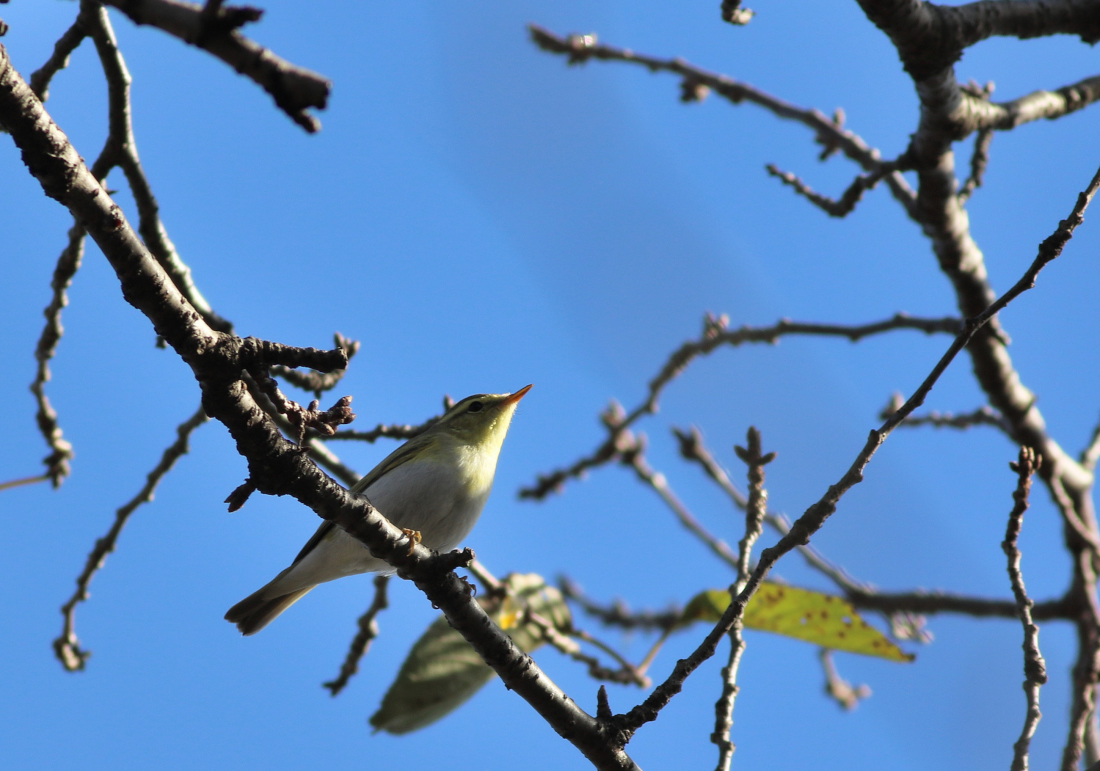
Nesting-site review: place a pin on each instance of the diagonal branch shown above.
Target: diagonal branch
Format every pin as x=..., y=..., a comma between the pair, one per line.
x=67, y=646
x=360, y=644
x=979, y=114
x=59, y=59
x=829, y=133
x=633, y=456
x=716, y=334
x=121, y=150
x=844, y=205
x=294, y=89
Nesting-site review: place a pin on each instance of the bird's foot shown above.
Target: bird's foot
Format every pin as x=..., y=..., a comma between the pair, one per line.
x=414, y=538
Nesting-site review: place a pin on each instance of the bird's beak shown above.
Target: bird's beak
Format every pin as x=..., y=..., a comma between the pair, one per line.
x=514, y=398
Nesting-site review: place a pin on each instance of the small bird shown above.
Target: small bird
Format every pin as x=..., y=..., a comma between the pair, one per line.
x=435, y=484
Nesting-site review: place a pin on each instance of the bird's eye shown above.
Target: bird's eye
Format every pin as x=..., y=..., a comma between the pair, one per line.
x=475, y=407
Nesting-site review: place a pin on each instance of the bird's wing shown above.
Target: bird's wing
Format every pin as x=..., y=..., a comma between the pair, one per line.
x=402, y=454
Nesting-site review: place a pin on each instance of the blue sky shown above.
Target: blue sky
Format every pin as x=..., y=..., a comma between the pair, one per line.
x=481, y=216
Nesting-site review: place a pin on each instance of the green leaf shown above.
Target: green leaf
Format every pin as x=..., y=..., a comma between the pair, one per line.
x=442, y=670
x=822, y=619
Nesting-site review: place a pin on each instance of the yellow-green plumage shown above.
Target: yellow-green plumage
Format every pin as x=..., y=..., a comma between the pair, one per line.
x=436, y=483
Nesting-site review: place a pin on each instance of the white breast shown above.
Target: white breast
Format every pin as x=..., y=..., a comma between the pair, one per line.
x=423, y=496
x=426, y=496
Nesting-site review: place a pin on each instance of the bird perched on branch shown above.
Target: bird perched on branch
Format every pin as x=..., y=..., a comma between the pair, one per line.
x=435, y=484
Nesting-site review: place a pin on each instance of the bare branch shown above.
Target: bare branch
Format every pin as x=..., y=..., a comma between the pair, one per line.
x=360, y=644
x=59, y=59
x=979, y=159
x=984, y=116
x=755, y=511
x=293, y=88
x=828, y=133
x=626, y=674
x=1035, y=669
x=317, y=382
x=843, y=206
x=67, y=646
x=847, y=696
x=618, y=614
x=633, y=456
x=1091, y=454
x=930, y=38
x=24, y=481
x=121, y=150
x=57, y=462
x=563, y=641
x=983, y=416
x=716, y=334
x=931, y=603
x=693, y=449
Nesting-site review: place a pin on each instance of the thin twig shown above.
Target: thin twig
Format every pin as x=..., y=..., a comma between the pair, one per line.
x=383, y=431
x=841, y=691
x=829, y=133
x=59, y=59
x=978, y=162
x=626, y=674
x=67, y=646
x=632, y=453
x=58, y=461
x=360, y=644
x=617, y=614
x=564, y=641
x=693, y=449
x=755, y=510
x=318, y=382
x=983, y=416
x=1035, y=669
x=716, y=334
x=846, y=204
x=24, y=481
x=1091, y=454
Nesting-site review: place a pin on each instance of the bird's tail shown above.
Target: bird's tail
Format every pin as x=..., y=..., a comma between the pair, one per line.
x=259, y=609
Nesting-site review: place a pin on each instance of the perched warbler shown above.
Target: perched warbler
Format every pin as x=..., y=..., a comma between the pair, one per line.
x=436, y=484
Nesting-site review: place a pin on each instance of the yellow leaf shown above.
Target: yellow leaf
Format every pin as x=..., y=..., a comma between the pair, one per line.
x=442, y=670
x=822, y=619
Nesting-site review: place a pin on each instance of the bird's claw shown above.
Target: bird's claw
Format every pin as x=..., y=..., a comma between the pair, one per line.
x=414, y=539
